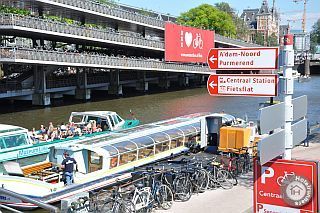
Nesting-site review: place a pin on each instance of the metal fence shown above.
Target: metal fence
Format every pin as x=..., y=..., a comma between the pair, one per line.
x=74, y=30
x=94, y=60
x=113, y=11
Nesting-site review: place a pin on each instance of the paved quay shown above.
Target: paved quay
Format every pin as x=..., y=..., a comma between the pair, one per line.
x=240, y=198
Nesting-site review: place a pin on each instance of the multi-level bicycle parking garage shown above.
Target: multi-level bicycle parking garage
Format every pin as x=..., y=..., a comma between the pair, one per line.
x=73, y=47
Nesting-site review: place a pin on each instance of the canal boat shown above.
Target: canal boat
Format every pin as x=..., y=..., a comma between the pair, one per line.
x=101, y=161
x=16, y=142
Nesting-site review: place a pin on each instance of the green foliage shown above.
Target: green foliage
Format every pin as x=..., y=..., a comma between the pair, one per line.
x=315, y=36
x=273, y=40
x=14, y=10
x=62, y=19
x=145, y=12
x=242, y=29
x=225, y=7
x=209, y=17
x=111, y=3
x=259, y=39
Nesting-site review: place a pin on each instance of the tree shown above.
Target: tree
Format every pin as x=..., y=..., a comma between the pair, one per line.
x=209, y=17
x=259, y=38
x=273, y=40
x=242, y=29
x=315, y=36
x=225, y=7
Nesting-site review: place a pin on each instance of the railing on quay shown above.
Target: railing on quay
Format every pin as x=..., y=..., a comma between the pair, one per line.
x=19, y=55
x=14, y=86
x=113, y=11
x=86, y=32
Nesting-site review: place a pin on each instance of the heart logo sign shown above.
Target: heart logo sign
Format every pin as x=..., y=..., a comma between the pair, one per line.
x=188, y=38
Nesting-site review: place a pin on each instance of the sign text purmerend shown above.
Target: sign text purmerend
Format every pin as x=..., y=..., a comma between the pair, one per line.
x=243, y=58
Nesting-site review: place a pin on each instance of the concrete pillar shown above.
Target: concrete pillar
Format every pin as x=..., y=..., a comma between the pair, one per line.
x=82, y=92
x=307, y=67
x=164, y=82
x=40, y=96
x=142, y=85
x=114, y=87
x=183, y=80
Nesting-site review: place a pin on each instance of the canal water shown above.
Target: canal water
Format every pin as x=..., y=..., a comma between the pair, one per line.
x=154, y=107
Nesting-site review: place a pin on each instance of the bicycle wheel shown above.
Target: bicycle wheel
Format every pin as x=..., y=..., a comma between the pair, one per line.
x=212, y=183
x=164, y=197
x=141, y=204
x=183, y=189
x=109, y=206
x=223, y=178
x=200, y=181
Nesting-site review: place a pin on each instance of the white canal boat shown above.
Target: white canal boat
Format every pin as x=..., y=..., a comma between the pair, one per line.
x=101, y=161
x=16, y=142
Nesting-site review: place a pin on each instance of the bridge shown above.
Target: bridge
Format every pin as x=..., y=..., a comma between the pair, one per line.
x=106, y=46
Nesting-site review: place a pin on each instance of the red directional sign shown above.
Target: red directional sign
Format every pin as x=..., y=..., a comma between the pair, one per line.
x=264, y=58
x=243, y=85
x=289, y=186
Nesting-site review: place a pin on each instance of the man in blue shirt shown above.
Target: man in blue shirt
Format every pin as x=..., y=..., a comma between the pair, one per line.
x=67, y=166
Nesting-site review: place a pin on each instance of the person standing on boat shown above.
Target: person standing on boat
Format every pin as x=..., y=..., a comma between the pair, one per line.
x=68, y=165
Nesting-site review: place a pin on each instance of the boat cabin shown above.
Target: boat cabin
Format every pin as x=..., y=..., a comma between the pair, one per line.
x=108, y=120
x=12, y=137
x=126, y=152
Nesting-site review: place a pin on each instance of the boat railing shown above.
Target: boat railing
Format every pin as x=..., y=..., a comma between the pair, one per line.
x=40, y=204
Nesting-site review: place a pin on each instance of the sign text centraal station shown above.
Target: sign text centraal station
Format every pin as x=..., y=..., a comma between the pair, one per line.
x=243, y=85
x=264, y=58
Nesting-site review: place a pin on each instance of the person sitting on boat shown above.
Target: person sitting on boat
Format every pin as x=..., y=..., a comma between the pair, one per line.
x=68, y=165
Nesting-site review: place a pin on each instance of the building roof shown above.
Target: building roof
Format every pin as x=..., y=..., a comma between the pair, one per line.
x=264, y=9
x=249, y=16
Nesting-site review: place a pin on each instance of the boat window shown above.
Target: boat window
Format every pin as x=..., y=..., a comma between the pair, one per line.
x=116, y=121
x=15, y=140
x=189, y=129
x=159, y=137
x=95, y=158
x=128, y=157
x=111, y=120
x=161, y=147
x=77, y=119
x=2, y=144
x=145, y=152
x=113, y=162
x=119, y=118
x=143, y=141
x=112, y=150
x=125, y=146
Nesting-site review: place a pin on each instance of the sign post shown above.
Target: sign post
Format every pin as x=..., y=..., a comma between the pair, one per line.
x=287, y=92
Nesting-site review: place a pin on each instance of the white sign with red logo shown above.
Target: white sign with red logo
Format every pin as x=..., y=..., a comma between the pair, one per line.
x=289, y=186
x=243, y=85
x=264, y=58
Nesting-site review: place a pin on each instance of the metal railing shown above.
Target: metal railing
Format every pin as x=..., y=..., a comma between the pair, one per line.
x=14, y=86
x=74, y=30
x=236, y=42
x=48, y=207
x=94, y=60
x=113, y=11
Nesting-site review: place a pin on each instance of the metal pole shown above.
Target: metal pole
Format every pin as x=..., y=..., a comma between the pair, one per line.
x=287, y=92
x=29, y=200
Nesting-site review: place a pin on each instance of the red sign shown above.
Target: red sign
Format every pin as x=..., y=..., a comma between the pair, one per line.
x=285, y=186
x=288, y=39
x=264, y=58
x=187, y=44
x=243, y=85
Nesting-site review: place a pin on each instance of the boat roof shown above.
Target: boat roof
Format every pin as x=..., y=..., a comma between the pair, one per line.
x=95, y=113
x=4, y=128
x=179, y=125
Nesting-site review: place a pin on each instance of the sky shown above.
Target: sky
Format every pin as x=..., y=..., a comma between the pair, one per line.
x=288, y=8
